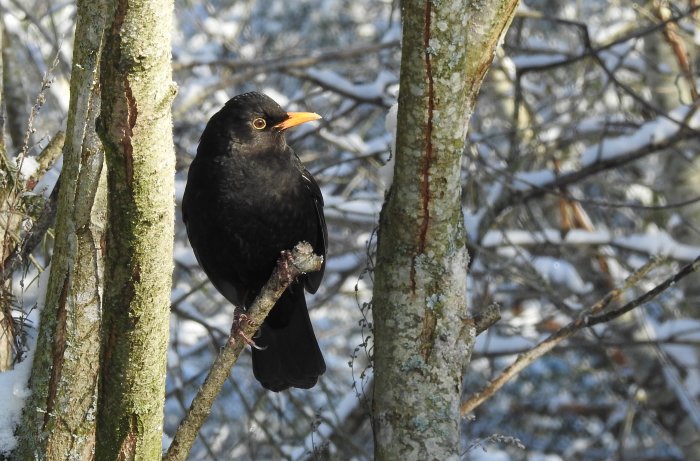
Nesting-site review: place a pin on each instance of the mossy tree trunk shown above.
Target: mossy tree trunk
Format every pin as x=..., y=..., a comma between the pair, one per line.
x=59, y=418
x=136, y=130
x=423, y=335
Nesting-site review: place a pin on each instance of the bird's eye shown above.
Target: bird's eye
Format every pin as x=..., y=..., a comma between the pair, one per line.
x=259, y=123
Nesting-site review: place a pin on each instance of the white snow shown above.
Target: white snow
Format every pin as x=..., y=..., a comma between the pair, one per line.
x=387, y=171
x=28, y=166
x=13, y=386
x=13, y=383
x=654, y=131
x=338, y=414
x=655, y=242
x=185, y=255
x=559, y=272
x=372, y=91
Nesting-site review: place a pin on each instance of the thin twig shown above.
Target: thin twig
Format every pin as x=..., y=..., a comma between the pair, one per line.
x=301, y=260
x=535, y=191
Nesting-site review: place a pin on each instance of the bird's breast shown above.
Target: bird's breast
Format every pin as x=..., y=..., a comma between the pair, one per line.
x=258, y=210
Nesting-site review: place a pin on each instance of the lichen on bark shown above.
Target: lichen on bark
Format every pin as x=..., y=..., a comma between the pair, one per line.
x=422, y=331
x=58, y=420
x=136, y=129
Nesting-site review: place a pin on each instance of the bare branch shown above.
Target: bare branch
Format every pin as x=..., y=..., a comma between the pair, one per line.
x=279, y=63
x=646, y=297
x=584, y=321
x=46, y=217
x=46, y=159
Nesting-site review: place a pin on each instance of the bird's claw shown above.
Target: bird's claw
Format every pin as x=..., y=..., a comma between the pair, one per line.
x=285, y=260
x=240, y=320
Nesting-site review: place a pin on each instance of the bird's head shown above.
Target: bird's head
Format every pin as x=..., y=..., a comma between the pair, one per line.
x=255, y=122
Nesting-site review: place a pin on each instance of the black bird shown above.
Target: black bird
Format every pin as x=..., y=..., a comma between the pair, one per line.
x=248, y=198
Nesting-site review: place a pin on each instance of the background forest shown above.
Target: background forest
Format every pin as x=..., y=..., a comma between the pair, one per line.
x=581, y=169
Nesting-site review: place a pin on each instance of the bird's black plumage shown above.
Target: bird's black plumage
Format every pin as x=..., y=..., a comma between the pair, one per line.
x=248, y=197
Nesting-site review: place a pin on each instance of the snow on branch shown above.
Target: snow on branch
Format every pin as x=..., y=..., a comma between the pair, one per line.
x=653, y=243
x=654, y=136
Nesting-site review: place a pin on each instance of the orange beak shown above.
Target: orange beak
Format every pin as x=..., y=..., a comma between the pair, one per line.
x=297, y=118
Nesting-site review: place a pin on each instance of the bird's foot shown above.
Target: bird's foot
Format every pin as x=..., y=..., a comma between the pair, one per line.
x=240, y=321
x=283, y=265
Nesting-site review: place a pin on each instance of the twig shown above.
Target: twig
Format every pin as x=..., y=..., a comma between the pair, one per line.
x=590, y=50
x=357, y=95
x=489, y=316
x=301, y=260
x=584, y=321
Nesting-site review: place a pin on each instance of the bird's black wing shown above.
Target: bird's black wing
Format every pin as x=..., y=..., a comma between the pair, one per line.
x=313, y=280
x=196, y=221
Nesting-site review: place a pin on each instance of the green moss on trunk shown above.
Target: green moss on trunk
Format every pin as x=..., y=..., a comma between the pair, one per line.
x=136, y=130
x=59, y=418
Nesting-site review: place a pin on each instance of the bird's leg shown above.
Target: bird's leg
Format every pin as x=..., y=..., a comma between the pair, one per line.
x=240, y=320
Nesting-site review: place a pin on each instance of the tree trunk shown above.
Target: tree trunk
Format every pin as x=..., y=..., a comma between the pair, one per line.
x=58, y=421
x=136, y=130
x=7, y=327
x=422, y=333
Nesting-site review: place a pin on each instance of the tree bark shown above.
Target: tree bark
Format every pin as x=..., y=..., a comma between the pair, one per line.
x=136, y=130
x=423, y=335
x=7, y=330
x=58, y=420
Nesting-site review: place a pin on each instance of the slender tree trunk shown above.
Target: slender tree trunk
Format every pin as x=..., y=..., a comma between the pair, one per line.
x=136, y=130
x=59, y=420
x=10, y=220
x=15, y=92
x=422, y=332
x=7, y=329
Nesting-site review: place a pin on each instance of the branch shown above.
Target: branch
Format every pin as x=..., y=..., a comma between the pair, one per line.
x=21, y=252
x=590, y=50
x=289, y=266
x=646, y=297
x=46, y=217
x=534, y=191
x=279, y=63
x=46, y=159
x=584, y=321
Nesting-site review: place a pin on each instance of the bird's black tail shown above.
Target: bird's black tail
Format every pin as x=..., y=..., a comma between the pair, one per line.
x=290, y=356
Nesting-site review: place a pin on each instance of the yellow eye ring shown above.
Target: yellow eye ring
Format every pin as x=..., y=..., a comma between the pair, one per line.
x=259, y=123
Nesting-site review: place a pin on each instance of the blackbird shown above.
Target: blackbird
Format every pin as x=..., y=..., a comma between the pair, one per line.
x=248, y=198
